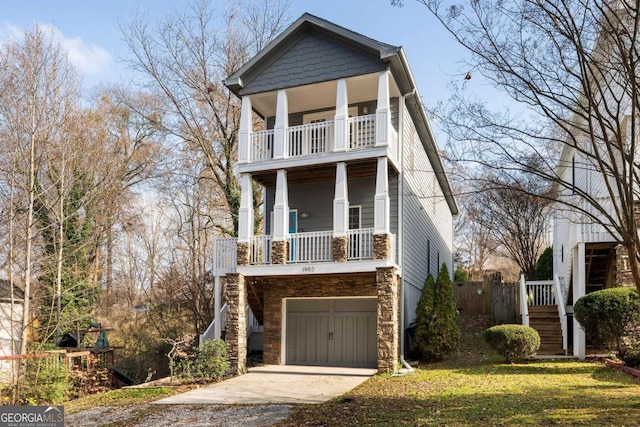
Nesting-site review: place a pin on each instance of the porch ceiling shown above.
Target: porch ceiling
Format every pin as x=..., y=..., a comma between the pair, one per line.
x=319, y=173
x=321, y=95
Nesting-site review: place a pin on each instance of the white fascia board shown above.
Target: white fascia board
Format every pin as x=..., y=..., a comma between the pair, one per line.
x=288, y=163
x=303, y=269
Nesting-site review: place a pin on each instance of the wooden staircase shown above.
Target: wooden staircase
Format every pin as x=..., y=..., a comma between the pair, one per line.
x=545, y=320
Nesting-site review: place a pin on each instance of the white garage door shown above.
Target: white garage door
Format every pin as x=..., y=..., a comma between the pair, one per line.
x=331, y=332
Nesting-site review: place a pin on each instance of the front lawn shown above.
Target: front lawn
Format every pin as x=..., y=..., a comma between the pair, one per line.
x=475, y=388
x=536, y=394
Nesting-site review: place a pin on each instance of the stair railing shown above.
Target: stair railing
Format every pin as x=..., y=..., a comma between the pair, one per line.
x=562, y=311
x=209, y=333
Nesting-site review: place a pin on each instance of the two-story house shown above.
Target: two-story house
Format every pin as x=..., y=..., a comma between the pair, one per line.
x=357, y=206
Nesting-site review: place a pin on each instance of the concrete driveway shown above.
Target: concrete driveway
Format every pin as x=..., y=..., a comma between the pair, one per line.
x=277, y=384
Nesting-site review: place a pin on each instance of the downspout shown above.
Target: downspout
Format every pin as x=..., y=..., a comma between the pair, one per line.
x=407, y=369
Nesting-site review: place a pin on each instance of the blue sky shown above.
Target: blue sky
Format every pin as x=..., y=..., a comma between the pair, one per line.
x=90, y=32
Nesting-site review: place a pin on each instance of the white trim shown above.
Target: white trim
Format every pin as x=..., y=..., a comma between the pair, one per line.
x=290, y=163
x=283, y=332
x=306, y=269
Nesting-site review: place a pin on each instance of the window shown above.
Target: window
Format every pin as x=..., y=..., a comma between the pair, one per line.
x=354, y=217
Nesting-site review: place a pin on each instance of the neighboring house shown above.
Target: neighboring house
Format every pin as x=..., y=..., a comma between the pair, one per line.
x=10, y=325
x=587, y=257
x=358, y=209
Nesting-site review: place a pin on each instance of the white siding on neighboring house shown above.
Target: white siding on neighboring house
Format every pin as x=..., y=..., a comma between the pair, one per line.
x=7, y=333
x=428, y=223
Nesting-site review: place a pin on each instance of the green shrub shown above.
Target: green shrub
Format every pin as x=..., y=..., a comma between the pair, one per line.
x=45, y=382
x=608, y=317
x=212, y=361
x=513, y=342
x=437, y=332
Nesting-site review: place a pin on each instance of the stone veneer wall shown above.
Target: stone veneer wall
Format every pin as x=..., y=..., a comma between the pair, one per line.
x=623, y=273
x=236, y=333
x=276, y=289
x=388, y=314
x=242, y=254
x=382, y=246
x=340, y=248
x=279, y=252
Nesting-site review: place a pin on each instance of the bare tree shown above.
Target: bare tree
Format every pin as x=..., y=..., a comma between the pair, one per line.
x=514, y=215
x=185, y=60
x=573, y=67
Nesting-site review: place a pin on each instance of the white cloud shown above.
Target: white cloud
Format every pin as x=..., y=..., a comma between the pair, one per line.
x=89, y=58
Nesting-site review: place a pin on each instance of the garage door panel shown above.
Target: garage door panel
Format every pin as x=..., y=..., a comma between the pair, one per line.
x=330, y=334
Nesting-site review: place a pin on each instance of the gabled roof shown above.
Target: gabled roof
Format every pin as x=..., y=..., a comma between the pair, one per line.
x=391, y=57
x=5, y=292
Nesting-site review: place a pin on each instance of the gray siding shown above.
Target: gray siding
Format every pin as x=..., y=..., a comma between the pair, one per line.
x=313, y=58
x=316, y=199
x=296, y=119
x=427, y=221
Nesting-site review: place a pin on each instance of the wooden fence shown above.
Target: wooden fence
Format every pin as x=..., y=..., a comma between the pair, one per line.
x=489, y=297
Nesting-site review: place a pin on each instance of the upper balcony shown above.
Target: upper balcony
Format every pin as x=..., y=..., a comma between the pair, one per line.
x=315, y=139
x=341, y=120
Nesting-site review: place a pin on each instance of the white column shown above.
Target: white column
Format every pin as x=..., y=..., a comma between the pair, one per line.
x=341, y=202
x=245, y=215
x=217, y=306
x=281, y=126
x=341, y=136
x=244, y=138
x=579, y=289
x=383, y=111
x=381, y=202
x=281, y=207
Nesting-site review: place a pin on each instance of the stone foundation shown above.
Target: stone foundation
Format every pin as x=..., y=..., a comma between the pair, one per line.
x=624, y=277
x=388, y=313
x=382, y=246
x=340, y=248
x=276, y=289
x=243, y=253
x=279, y=252
x=236, y=333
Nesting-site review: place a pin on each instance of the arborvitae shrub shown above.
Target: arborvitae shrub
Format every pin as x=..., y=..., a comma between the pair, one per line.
x=513, y=342
x=437, y=332
x=610, y=318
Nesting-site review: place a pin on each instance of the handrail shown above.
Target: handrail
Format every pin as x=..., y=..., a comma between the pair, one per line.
x=360, y=243
x=524, y=307
x=312, y=246
x=562, y=311
x=208, y=333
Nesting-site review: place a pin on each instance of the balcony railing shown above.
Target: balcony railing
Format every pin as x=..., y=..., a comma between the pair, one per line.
x=310, y=247
x=362, y=131
x=315, y=138
x=360, y=244
x=262, y=145
x=306, y=247
x=260, y=247
x=225, y=251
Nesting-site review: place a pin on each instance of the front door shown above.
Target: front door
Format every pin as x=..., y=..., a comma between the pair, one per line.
x=293, y=228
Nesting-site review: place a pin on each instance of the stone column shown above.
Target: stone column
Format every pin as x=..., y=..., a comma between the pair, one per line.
x=624, y=277
x=279, y=252
x=340, y=248
x=236, y=335
x=382, y=246
x=243, y=254
x=388, y=328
